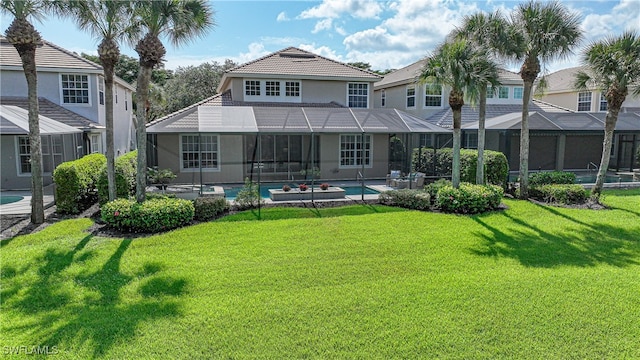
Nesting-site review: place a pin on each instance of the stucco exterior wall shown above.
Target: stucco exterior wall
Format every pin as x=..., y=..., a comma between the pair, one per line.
x=330, y=158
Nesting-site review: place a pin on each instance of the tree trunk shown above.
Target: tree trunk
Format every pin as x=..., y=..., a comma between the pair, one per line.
x=609, y=127
x=523, y=174
x=108, y=95
x=142, y=95
x=482, y=109
x=456, y=101
x=28, y=56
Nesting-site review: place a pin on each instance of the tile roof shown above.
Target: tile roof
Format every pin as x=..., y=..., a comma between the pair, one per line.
x=562, y=80
x=297, y=62
x=54, y=112
x=51, y=56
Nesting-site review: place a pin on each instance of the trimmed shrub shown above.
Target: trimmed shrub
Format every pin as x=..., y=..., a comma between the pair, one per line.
x=406, y=198
x=559, y=193
x=157, y=195
x=149, y=217
x=126, y=168
x=495, y=163
x=248, y=197
x=207, y=208
x=551, y=177
x=76, y=183
x=469, y=198
x=434, y=187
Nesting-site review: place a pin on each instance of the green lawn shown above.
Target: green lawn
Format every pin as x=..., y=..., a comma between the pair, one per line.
x=531, y=282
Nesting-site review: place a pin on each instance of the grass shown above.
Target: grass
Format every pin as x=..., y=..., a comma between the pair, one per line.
x=357, y=282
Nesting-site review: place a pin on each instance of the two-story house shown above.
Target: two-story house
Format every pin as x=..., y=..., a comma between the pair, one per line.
x=71, y=92
x=561, y=92
x=288, y=112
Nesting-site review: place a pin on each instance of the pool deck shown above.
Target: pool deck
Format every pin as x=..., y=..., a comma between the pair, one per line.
x=23, y=207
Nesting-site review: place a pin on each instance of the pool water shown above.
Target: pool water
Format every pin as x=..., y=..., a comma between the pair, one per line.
x=591, y=179
x=8, y=199
x=232, y=192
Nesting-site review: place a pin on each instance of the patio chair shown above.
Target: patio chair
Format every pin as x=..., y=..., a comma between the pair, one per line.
x=392, y=177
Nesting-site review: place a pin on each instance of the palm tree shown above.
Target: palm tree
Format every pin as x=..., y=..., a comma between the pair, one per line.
x=180, y=21
x=613, y=66
x=110, y=21
x=539, y=32
x=484, y=31
x=464, y=68
x=26, y=39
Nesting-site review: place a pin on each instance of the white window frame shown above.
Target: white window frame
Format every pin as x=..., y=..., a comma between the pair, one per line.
x=252, y=87
x=502, y=89
x=20, y=155
x=410, y=93
x=95, y=143
x=356, y=140
x=355, y=89
x=294, y=87
x=516, y=90
x=603, y=103
x=434, y=96
x=62, y=89
x=583, y=100
x=48, y=149
x=272, y=88
x=198, y=152
x=101, y=97
x=383, y=98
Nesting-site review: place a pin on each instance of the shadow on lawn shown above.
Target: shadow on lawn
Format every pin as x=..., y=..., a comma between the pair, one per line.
x=587, y=245
x=101, y=318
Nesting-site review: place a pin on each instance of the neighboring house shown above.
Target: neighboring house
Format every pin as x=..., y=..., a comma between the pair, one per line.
x=281, y=114
x=71, y=92
x=560, y=91
x=401, y=89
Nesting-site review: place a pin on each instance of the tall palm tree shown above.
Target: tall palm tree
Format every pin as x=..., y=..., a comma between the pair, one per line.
x=112, y=22
x=26, y=39
x=484, y=30
x=180, y=21
x=613, y=67
x=539, y=32
x=464, y=68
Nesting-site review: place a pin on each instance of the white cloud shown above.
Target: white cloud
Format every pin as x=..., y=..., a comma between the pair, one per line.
x=625, y=15
x=282, y=17
x=322, y=25
x=362, y=9
x=322, y=51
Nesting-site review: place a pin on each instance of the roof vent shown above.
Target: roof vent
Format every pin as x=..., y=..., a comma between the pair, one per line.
x=297, y=55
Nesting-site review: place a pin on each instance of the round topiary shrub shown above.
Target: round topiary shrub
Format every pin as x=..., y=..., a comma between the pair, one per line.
x=149, y=217
x=207, y=208
x=469, y=198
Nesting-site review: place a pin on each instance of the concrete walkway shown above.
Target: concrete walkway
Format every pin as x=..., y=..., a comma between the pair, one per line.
x=22, y=207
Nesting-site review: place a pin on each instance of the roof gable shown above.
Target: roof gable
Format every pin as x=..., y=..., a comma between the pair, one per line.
x=300, y=63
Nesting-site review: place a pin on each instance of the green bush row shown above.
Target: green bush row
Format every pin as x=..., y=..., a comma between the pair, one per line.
x=551, y=177
x=469, y=198
x=76, y=183
x=406, y=198
x=208, y=208
x=559, y=193
x=148, y=217
x=126, y=166
x=495, y=163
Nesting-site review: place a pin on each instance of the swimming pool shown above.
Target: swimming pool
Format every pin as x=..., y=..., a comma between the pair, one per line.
x=8, y=199
x=232, y=192
x=591, y=179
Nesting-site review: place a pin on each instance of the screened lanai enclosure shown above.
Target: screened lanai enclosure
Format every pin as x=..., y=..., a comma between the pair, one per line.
x=209, y=145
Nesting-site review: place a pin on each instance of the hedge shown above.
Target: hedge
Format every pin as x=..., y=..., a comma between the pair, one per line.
x=551, y=177
x=469, y=198
x=406, y=198
x=559, y=193
x=148, y=217
x=126, y=166
x=440, y=164
x=76, y=183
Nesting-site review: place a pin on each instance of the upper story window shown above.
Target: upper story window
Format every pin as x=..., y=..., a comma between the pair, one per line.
x=603, y=103
x=358, y=95
x=411, y=96
x=518, y=92
x=252, y=87
x=101, y=90
x=75, y=89
x=433, y=95
x=503, y=92
x=383, y=98
x=292, y=88
x=584, y=101
x=272, y=88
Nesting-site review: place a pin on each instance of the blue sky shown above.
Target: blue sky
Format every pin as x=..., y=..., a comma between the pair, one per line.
x=386, y=34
